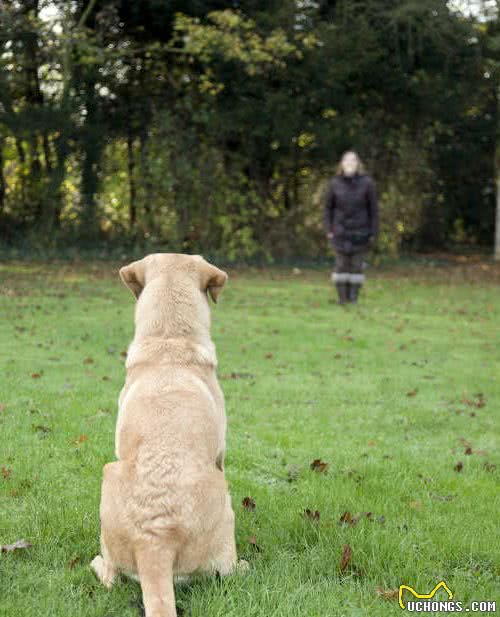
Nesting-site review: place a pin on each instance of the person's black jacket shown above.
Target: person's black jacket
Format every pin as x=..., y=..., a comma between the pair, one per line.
x=351, y=212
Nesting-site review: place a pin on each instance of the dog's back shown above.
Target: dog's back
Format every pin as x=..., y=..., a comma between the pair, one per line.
x=165, y=507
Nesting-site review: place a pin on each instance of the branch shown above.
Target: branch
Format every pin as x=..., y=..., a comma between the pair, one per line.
x=85, y=14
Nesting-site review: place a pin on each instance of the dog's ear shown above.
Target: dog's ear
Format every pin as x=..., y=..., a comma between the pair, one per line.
x=134, y=276
x=213, y=280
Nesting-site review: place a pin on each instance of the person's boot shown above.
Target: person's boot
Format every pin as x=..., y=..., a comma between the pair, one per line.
x=353, y=292
x=343, y=292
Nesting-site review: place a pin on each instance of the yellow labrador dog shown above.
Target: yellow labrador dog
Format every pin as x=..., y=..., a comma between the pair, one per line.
x=165, y=506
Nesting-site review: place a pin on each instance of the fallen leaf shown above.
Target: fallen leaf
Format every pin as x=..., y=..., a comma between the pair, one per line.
x=348, y=519
x=293, y=473
x=468, y=451
x=81, y=439
x=442, y=497
x=388, y=594
x=319, y=466
x=88, y=361
x=459, y=466
x=41, y=428
x=345, y=558
x=237, y=376
x=252, y=540
x=36, y=375
x=312, y=515
x=268, y=356
x=8, y=548
x=412, y=392
x=105, y=378
x=248, y=503
x=73, y=562
x=6, y=472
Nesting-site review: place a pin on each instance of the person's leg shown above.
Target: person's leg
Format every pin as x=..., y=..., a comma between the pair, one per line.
x=356, y=276
x=341, y=276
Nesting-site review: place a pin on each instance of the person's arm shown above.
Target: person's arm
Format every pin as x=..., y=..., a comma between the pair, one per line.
x=373, y=209
x=328, y=210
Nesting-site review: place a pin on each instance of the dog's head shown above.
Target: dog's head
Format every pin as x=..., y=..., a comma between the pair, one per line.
x=184, y=270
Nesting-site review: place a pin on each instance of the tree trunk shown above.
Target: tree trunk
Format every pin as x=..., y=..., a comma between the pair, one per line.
x=92, y=147
x=147, y=181
x=2, y=179
x=497, y=226
x=131, y=183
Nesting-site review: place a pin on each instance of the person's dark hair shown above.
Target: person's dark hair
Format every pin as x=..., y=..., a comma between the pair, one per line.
x=361, y=167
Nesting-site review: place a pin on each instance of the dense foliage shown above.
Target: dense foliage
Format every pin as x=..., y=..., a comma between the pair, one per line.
x=214, y=129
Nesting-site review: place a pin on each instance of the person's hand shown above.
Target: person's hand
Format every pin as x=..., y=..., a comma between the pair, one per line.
x=329, y=235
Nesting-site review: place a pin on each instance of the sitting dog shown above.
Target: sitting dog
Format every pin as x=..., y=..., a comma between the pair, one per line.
x=165, y=507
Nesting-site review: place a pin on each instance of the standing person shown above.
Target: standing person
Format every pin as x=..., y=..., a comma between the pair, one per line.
x=351, y=223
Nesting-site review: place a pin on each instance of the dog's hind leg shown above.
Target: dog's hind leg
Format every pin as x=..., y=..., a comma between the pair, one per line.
x=223, y=558
x=104, y=570
x=104, y=565
x=155, y=569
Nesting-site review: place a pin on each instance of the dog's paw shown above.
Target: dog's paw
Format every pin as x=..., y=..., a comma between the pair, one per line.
x=97, y=564
x=103, y=571
x=242, y=566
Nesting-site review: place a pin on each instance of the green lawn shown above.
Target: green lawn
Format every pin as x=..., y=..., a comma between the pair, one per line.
x=392, y=395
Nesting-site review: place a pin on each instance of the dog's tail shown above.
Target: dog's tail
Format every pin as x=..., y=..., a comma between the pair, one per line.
x=155, y=569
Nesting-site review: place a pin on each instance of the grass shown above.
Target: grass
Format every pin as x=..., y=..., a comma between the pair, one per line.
x=390, y=394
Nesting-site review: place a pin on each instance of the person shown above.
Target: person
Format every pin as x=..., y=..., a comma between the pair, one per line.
x=351, y=223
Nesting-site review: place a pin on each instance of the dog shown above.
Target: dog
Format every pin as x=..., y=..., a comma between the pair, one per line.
x=165, y=507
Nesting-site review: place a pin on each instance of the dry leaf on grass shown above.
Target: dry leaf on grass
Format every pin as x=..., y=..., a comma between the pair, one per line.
x=319, y=466
x=416, y=505
x=8, y=548
x=348, y=519
x=387, y=594
x=252, y=540
x=312, y=515
x=6, y=472
x=293, y=473
x=248, y=503
x=459, y=466
x=346, y=557
x=73, y=562
x=41, y=428
x=441, y=497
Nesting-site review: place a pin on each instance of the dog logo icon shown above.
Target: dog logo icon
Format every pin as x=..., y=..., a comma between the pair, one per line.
x=423, y=596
